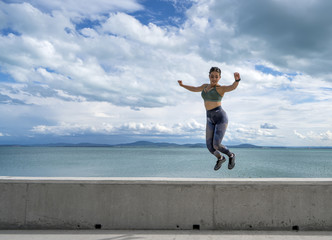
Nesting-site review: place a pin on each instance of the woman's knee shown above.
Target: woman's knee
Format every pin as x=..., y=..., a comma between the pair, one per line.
x=217, y=146
x=220, y=147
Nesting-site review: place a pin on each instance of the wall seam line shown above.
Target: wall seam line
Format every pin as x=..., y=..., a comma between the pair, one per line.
x=213, y=207
x=26, y=203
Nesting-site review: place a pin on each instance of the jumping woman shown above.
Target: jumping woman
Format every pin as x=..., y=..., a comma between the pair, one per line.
x=217, y=120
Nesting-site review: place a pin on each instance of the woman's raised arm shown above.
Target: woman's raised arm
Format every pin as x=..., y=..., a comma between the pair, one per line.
x=222, y=89
x=191, y=88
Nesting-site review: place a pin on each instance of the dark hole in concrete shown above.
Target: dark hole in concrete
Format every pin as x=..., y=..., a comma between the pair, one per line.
x=296, y=228
x=97, y=226
x=196, y=227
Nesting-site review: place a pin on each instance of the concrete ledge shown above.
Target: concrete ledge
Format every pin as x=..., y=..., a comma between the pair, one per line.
x=165, y=203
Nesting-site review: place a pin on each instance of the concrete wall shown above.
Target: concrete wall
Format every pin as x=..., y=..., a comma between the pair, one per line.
x=154, y=203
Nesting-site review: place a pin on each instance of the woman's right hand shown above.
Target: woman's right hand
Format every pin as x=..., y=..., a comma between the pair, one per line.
x=180, y=83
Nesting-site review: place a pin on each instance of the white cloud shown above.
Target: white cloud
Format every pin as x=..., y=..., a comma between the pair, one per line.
x=86, y=8
x=191, y=128
x=326, y=136
x=144, y=128
x=4, y=134
x=97, y=67
x=311, y=135
x=299, y=134
x=231, y=31
x=245, y=134
x=92, y=78
x=65, y=129
x=126, y=26
x=268, y=126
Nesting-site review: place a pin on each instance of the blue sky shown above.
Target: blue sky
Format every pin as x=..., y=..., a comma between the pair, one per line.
x=106, y=71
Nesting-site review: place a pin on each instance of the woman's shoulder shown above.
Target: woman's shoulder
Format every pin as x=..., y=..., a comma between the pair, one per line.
x=220, y=89
x=221, y=86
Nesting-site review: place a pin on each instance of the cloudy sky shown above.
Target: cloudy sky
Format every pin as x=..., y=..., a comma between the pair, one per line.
x=106, y=71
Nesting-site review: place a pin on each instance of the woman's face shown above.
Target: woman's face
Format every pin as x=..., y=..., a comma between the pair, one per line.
x=214, y=78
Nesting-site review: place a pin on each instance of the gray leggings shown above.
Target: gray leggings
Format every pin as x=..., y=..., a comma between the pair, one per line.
x=216, y=126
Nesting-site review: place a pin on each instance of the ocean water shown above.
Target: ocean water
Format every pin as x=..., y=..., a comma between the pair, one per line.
x=163, y=162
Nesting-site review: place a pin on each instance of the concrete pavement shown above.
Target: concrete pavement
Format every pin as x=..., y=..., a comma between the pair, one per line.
x=161, y=235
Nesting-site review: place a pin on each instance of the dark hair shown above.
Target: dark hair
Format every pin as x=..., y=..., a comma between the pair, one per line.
x=215, y=69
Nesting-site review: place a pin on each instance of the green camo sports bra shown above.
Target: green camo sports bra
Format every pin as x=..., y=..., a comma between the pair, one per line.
x=211, y=95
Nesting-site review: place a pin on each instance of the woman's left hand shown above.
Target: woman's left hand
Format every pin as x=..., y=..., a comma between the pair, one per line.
x=237, y=76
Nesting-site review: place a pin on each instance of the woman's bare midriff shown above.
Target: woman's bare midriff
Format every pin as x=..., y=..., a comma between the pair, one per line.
x=211, y=105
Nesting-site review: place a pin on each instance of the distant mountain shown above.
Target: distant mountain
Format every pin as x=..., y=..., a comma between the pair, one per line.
x=147, y=144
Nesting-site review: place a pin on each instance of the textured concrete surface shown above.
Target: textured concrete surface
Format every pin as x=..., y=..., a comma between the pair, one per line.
x=165, y=204
x=161, y=235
